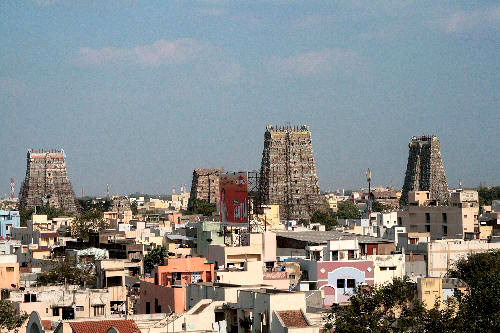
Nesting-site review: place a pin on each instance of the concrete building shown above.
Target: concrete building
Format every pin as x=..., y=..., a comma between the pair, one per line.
x=254, y=246
x=8, y=219
x=64, y=302
x=336, y=262
x=442, y=254
x=436, y=290
x=459, y=219
x=9, y=271
x=166, y=293
x=269, y=310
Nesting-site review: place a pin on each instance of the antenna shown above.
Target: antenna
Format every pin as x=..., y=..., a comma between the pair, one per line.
x=107, y=191
x=12, y=188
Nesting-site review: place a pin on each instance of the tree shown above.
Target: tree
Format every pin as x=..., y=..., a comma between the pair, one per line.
x=84, y=225
x=303, y=222
x=67, y=271
x=154, y=258
x=198, y=206
x=9, y=318
x=479, y=309
x=50, y=211
x=377, y=206
x=488, y=194
x=347, y=210
x=324, y=218
x=392, y=307
x=134, y=208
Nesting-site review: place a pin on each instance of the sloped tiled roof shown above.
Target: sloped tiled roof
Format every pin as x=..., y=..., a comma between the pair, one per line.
x=292, y=318
x=102, y=326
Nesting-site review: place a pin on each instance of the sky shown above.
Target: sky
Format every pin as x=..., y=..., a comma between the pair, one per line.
x=139, y=93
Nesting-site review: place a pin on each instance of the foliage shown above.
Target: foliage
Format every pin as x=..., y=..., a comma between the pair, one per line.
x=488, y=194
x=67, y=271
x=324, y=218
x=84, y=225
x=134, y=208
x=479, y=309
x=48, y=210
x=303, y=222
x=90, y=204
x=9, y=319
x=154, y=258
x=377, y=206
x=391, y=307
x=198, y=206
x=347, y=210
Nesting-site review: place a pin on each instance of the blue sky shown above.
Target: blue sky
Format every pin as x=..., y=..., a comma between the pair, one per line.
x=139, y=93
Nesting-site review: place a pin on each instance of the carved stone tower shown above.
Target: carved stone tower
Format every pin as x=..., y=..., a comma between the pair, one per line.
x=288, y=172
x=47, y=182
x=205, y=185
x=425, y=171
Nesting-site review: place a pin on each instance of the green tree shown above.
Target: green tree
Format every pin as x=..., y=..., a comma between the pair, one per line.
x=323, y=217
x=198, y=206
x=347, y=210
x=154, y=258
x=10, y=320
x=67, y=271
x=90, y=222
x=479, y=309
x=488, y=194
x=303, y=222
x=133, y=207
x=392, y=307
x=377, y=206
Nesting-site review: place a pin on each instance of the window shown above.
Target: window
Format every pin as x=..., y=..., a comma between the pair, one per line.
x=350, y=254
x=33, y=297
x=10, y=269
x=99, y=310
x=445, y=230
x=55, y=312
x=428, y=228
x=292, y=276
x=351, y=283
x=148, y=307
x=383, y=268
x=340, y=283
x=392, y=268
x=26, y=298
x=445, y=218
x=400, y=221
x=427, y=217
x=79, y=308
x=335, y=255
x=465, y=216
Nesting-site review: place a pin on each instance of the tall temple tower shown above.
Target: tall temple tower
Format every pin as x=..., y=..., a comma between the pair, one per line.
x=425, y=171
x=288, y=172
x=47, y=182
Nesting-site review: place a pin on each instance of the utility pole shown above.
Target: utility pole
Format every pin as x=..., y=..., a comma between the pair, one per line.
x=369, y=204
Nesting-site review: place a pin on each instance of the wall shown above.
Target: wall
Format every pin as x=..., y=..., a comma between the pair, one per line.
x=169, y=298
x=9, y=271
x=441, y=254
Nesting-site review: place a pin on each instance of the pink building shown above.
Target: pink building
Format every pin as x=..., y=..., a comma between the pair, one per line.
x=168, y=291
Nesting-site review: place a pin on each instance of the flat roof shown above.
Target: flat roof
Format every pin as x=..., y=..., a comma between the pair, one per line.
x=321, y=237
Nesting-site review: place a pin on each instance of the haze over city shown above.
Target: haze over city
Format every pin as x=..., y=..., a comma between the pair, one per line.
x=139, y=94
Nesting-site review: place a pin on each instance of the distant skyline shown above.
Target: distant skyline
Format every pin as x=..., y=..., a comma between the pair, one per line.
x=139, y=93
